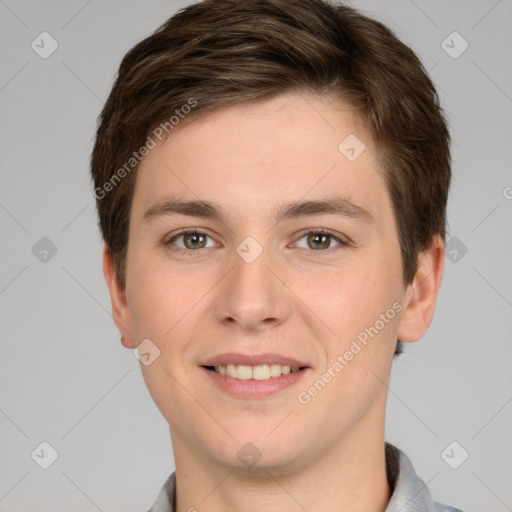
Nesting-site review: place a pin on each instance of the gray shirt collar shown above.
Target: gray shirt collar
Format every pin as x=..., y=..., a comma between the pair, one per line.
x=409, y=492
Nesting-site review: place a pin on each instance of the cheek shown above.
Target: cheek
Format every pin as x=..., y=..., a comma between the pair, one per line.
x=167, y=301
x=155, y=298
x=161, y=302
x=360, y=304
x=350, y=297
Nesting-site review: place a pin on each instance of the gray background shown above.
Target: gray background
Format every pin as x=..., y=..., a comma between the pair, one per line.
x=66, y=379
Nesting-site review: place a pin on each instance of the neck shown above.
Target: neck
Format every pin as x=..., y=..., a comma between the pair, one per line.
x=350, y=476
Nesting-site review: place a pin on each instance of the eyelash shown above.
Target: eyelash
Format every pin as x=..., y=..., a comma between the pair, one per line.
x=318, y=231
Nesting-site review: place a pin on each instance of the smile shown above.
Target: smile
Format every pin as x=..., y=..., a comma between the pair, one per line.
x=259, y=372
x=254, y=382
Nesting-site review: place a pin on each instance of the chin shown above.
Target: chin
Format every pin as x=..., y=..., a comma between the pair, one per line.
x=259, y=453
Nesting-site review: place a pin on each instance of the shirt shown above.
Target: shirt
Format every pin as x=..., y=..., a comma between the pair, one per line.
x=409, y=492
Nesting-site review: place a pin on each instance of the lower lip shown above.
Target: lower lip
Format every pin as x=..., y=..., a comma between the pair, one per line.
x=251, y=388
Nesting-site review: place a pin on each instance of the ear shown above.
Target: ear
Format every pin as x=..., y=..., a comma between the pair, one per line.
x=421, y=294
x=120, y=310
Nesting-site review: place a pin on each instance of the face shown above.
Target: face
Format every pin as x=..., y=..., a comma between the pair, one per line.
x=287, y=260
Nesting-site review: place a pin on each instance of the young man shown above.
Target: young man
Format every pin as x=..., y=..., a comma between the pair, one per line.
x=271, y=180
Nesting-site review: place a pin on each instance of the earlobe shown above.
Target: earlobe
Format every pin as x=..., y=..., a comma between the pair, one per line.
x=421, y=294
x=120, y=309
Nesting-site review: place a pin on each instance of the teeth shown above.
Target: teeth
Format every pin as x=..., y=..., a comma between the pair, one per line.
x=260, y=372
x=231, y=371
x=275, y=370
x=244, y=372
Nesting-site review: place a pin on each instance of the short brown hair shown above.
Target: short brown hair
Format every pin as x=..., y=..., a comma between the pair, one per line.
x=222, y=52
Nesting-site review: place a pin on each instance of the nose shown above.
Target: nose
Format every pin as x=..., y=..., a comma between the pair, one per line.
x=253, y=295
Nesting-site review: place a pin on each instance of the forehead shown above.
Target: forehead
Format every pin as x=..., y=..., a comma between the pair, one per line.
x=265, y=153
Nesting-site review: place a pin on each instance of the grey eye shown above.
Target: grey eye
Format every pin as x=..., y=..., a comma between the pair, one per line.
x=318, y=240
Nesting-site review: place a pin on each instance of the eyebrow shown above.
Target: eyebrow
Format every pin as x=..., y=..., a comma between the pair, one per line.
x=335, y=206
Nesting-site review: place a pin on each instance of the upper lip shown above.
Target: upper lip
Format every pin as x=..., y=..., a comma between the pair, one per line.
x=253, y=360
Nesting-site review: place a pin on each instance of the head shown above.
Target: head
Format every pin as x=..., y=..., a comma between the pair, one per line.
x=247, y=109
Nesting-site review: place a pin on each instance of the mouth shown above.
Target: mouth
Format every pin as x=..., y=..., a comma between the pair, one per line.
x=254, y=376
x=258, y=372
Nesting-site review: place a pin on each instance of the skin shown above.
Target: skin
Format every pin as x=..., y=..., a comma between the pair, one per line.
x=294, y=299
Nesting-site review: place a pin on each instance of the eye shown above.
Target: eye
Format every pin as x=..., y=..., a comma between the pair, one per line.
x=192, y=240
x=320, y=239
